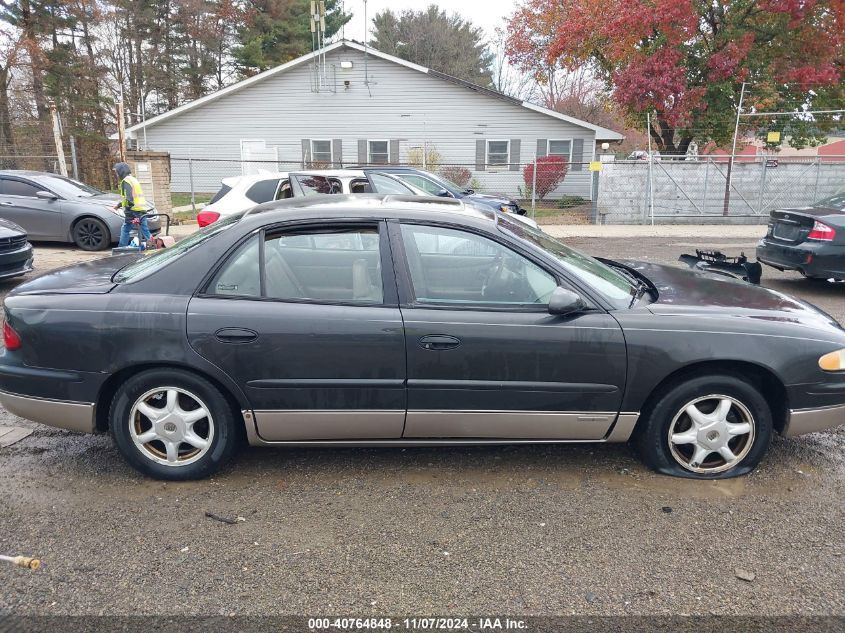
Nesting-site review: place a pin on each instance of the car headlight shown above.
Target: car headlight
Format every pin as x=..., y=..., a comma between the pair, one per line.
x=505, y=208
x=834, y=361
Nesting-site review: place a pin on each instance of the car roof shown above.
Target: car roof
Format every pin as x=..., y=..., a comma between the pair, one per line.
x=371, y=206
x=26, y=173
x=241, y=181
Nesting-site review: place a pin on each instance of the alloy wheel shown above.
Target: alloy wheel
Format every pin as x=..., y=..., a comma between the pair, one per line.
x=171, y=426
x=711, y=434
x=89, y=235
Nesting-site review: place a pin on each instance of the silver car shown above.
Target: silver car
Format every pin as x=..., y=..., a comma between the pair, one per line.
x=52, y=208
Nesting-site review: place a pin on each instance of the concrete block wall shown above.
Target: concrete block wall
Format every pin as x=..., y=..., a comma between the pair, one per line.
x=692, y=192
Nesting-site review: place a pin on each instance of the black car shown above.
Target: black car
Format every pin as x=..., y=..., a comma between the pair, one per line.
x=810, y=239
x=406, y=321
x=443, y=187
x=15, y=251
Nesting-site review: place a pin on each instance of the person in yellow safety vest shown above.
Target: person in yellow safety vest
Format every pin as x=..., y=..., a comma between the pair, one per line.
x=134, y=205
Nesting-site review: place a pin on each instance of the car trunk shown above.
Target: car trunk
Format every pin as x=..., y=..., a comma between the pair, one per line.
x=792, y=226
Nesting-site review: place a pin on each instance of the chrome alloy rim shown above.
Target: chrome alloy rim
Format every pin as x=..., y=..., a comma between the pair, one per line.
x=711, y=434
x=171, y=426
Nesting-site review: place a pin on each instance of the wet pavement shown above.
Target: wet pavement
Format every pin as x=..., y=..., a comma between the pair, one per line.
x=581, y=529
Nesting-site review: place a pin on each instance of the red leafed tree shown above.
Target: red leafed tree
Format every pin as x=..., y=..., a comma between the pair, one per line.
x=684, y=60
x=551, y=170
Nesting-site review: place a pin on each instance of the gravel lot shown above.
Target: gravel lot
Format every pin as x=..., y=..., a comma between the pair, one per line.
x=520, y=530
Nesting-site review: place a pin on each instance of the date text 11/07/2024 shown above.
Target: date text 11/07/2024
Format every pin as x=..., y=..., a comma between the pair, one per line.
x=418, y=624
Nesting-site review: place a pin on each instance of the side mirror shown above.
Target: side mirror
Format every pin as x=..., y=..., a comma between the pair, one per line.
x=46, y=195
x=563, y=302
x=444, y=194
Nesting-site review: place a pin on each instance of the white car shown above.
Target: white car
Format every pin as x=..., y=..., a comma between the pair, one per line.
x=244, y=192
x=240, y=193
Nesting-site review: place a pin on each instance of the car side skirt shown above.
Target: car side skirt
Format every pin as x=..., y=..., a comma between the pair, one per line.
x=385, y=428
x=73, y=416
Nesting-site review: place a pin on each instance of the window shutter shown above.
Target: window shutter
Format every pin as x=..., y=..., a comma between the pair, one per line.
x=480, y=154
x=306, y=152
x=394, y=151
x=362, y=151
x=337, y=152
x=516, y=146
x=577, y=155
x=542, y=147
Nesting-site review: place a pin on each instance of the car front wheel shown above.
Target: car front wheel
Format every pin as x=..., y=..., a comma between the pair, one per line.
x=171, y=424
x=91, y=234
x=706, y=427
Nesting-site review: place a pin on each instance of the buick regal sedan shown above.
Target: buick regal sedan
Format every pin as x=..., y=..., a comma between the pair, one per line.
x=408, y=321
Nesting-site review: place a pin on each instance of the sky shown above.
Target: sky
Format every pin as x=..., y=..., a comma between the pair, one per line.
x=488, y=14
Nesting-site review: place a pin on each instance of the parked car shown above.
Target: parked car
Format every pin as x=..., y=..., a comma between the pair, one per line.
x=52, y=208
x=809, y=239
x=439, y=186
x=640, y=154
x=240, y=193
x=15, y=251
x=407, y=321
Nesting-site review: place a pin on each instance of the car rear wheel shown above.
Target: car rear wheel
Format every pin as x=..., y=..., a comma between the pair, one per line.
x=171, y=424
x=706, y=427
x=91, y=234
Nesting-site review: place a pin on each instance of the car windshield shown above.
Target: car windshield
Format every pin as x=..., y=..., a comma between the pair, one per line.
x=155, y=260
x=447, y=184
x=834, y=202
x=67, y=187
x=615, y=286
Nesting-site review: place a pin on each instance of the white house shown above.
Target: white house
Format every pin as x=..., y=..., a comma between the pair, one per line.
x=350, y=104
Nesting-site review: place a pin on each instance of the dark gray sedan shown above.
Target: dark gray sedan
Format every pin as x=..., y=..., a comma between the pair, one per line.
x=52, y=208
x=408, y=321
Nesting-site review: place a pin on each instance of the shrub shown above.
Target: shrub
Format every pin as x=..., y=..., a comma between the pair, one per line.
x=551, y=171
x=458, y=175
x=567, y=202
x=433, y=158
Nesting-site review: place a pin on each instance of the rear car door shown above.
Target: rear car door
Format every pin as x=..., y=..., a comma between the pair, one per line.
x=485, y=358
x=41, y=218
x=306, y=320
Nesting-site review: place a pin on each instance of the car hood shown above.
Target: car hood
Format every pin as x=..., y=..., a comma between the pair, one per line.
x=94, y=277
x=683, y=291
x=10, y=229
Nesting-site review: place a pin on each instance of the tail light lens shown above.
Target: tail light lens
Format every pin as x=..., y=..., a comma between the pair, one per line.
x=206, y=217
x=822, y=232
x=11, y=339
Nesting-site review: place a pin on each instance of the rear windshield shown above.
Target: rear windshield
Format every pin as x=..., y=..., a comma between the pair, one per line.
x=223, y=191
x=263, y=190
x=155, y=260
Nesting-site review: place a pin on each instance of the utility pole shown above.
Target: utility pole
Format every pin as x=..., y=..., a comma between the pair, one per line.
x=57, y=137
x=650, y=170
x=121, y=132
x=733, y=153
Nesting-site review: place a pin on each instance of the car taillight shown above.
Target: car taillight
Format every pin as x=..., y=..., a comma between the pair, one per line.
x=11, y=339
x=821, y=231
x=206, y=217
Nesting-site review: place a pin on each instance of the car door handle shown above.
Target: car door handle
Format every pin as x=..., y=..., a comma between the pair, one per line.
x=437, y=342
x=235, y=335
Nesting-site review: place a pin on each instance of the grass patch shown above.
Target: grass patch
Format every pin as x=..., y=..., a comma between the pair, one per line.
x=183, y=199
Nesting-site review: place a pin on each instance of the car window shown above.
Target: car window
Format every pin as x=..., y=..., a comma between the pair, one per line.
x=263, y=190
x=18, y=188
x=223, y=191
x=450, y=266
x=360, y=185
x=340, y=265
x=423, y=183
x=67, y=187
x=834, y=202
x=241, y=275
x=285, y=191
x=313, y=185
x=388, y=185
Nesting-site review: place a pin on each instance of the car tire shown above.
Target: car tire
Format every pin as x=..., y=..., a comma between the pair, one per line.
x=91, y=234
x=157, y=422
x=730, y=418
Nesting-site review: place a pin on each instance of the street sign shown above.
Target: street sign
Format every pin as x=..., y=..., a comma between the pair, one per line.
x=595, y=165
x=772, y=162
x=773, y=137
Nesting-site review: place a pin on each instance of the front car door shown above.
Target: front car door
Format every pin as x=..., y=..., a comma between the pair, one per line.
x=41, y=218
x=305, y=318
x=485, y=358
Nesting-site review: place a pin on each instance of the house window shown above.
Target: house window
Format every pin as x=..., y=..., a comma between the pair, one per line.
x=560, y=148
x=378, y=152
x=498, y=153
x=321, y=152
